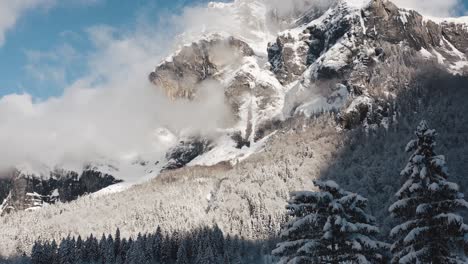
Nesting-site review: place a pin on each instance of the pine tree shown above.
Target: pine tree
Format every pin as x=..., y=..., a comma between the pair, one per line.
x=132, y=254
x=329, y=226
x=87, y=250
x=123, y=250
x=117, y=243
x=79, y=250
x=182, y=255
x=66, y=251
x=37, y=253
x=206, y=256
x=166, y=249
x=53, y=252
x=136, y=252
x=93, y=249
x=156, y=245
x=431, y=231
x=217, y=240
x=109, y=253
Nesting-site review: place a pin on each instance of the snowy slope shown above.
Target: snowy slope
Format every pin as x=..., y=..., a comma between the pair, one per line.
x=303, y=63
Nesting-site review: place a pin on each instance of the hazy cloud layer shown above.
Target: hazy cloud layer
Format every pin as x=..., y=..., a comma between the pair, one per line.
x=113, y=111
x=285, y=8
x=436, y=8
x=11, y=11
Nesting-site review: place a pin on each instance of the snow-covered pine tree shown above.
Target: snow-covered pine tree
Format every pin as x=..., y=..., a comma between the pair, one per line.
x=329, y=226
x=431, y=231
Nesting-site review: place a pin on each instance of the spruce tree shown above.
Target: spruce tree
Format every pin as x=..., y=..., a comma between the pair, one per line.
x=37, y=253
x=66, y=251
x=329, y=226
x=206, y=256
x=182, y=254
x=117, y=243
x=166, y=249
x=109, y=251
x=431, y=231
x=157, y=244
x=53, y=252
x=93, y=250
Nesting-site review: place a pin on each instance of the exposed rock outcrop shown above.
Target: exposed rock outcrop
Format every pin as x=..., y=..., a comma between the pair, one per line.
x=180, y=74
x=185, y=152
x=361, y=48
x=29, y=191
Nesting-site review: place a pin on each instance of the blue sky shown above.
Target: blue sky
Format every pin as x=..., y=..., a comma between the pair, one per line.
x=57, y=37
x=47, y=48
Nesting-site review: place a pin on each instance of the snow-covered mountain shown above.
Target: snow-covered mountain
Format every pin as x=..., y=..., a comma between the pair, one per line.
x=351, y=58
x=276, y=68
x=272, y=65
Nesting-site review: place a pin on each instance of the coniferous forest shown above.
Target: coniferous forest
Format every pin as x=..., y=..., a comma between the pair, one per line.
x=330, y=225
x=204, y=245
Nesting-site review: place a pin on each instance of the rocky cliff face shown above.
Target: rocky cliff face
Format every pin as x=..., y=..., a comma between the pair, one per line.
x=375, y=50
x=354, y=57
x=252, y=93
x=324, y=61
x=185, y=152
x=180, y=74
x=28, y=191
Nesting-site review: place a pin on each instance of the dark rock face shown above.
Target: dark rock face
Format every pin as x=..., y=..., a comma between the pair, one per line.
x=394, y=25
x=27, y=191
x=193, y=64
x=282, y=56
x=376, y=51
x=365, y=110
x=5, y=187
x=457, y=35
x=290, y=56
x=185, y=152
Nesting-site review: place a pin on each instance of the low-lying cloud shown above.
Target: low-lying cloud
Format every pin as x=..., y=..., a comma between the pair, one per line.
x=11, y=11
x=435, y=8
x=113, y=111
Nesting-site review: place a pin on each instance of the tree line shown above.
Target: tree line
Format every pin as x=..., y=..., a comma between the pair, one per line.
x=205, y=245
x=329, y=225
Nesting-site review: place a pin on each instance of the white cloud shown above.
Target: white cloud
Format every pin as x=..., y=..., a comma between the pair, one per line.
x=11, y=11
x=111, y=112
x=436, y=8
x=51, y=66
